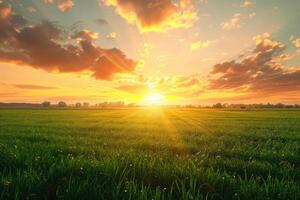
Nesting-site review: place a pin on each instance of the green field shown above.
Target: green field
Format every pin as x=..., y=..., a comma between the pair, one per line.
x=149, y=154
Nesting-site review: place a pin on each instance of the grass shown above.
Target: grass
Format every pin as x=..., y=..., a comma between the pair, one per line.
x=149, y=154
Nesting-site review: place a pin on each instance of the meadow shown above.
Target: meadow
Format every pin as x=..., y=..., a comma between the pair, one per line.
x=149, y=153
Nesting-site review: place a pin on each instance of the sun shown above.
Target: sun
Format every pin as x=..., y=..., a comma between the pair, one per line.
x=154, y=99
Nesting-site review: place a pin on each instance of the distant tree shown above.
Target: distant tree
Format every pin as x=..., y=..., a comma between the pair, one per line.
x=46, y=104
x=218, y=105
x=119, y=104
x=268, y=105
x=86, y=104
x=62, y=104
x=78, y=105
x=131, y=105
x=279, y=105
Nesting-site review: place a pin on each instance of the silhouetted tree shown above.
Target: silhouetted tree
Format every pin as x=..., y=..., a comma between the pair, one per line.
x=78, y=105
x=46, y=104
x=218, y=105
x=62, y=104
x=279, y=105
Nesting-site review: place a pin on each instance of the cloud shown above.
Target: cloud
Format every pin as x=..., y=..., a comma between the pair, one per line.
x=8, y=94
x=247, y=4
x=200, y=44
x=186, y=81
x=133, y=88
x=296, y=42
x=65, y=5
x=233, y=23
x=46, y=46
x=155, y=15
x=261, y=72
x=252, y=15
x=112, y=36
x=5, y=11
x=34, y=87
x=49, y=1
x=86, y=35
x=101, y=21
x=179, y=86
x=62, y=5
x=110, y=62
x=184, y=87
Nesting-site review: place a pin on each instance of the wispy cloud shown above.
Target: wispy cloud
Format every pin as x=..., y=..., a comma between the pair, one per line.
x=252, y=15
x=101, y=21
x=232, y=23
x=34, y=87
x=202, y=44
x=247, y=4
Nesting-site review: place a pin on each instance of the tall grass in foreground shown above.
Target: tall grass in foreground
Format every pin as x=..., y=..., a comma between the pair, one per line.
x=149, y=154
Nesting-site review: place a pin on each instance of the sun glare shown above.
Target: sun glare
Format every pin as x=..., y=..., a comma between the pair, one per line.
x=154, y=99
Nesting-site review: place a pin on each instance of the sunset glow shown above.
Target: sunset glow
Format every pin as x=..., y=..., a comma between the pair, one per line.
x=154, y=99
x=196, y=52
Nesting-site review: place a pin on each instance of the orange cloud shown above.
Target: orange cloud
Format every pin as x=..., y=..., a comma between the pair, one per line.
x=133, y=88
x=176, y=86
x=5, y=11
x=260, y=72
x=64, y=5
x=45, y=46
x=49, y=1
x=296, y=42
x=155, y=15
x=86, y=35
x=34, y=87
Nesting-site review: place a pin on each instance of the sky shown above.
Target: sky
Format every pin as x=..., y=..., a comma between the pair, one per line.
x=150, y=51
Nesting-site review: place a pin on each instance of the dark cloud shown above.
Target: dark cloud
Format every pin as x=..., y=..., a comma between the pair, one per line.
x=111, y=61
x=263, y=71
x=46, y=46
x=156, y=15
